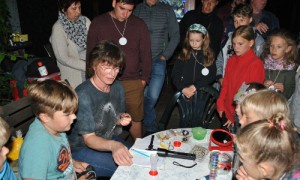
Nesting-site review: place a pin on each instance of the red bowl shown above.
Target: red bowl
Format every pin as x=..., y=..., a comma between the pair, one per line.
x=221, y=137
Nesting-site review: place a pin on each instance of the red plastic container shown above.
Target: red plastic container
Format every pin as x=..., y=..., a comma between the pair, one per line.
x=220, y=139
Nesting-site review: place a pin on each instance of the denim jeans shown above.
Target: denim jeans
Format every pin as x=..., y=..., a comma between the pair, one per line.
x=152, y=92
x=102, y=161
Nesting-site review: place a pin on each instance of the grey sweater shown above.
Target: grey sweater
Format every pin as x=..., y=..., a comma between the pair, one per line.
x=162, y=25
x=295, y=102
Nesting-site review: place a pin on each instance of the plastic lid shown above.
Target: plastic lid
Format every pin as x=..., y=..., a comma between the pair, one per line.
x=177, y=143
x=153, y=173
x=40, y=63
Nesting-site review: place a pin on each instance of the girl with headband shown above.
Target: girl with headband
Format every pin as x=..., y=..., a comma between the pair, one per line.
x=194, y=67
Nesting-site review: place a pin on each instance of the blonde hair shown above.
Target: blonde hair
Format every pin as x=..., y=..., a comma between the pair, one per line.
x=187, y=49
x=273, y=140
x=50, y=96
x=246, y=32
x=4, y=132
x=265, y=103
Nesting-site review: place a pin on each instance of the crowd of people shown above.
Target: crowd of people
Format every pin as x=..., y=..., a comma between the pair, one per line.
x=116, y=66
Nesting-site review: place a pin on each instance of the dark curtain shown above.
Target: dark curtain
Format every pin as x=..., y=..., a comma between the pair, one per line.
x=287, y=12
x=38, y=16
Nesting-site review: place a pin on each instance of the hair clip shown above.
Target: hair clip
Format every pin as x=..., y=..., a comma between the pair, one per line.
x=282, y=124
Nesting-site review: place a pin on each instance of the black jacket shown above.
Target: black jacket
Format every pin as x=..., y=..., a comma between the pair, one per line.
x=188, y=72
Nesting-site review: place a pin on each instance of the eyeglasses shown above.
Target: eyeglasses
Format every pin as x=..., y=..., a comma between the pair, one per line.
x=110, y=69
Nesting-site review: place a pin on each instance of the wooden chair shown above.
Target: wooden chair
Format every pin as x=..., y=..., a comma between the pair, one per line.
x=18, y=114
x=197, y=111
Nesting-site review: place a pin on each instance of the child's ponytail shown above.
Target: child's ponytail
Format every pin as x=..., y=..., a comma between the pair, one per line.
x=270, y=140
x=281, y=122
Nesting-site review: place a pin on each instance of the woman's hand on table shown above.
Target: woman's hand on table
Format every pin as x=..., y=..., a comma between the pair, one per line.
x=125, y=119
x=120, y=153
x=242, y=174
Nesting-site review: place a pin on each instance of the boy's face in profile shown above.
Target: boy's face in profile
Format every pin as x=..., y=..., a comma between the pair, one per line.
x=241, y=21
x=3, y=152
x=248, y=117
x=59, y=122
x=238, y=110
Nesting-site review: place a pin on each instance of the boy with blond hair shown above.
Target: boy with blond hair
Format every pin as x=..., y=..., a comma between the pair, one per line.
x=5, y=170
x=45, y=153
x=262, y=105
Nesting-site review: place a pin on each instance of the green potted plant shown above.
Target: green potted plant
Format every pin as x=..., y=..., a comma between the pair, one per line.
x=5, y=31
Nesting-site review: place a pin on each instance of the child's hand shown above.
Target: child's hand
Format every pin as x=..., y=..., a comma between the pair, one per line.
x=228, y=124
x=279, y=87
x=221, y=81
x=220, y=113
x=268, y=83
x=125, y=119
x=189, y=91
x=79, y=166
x=242, y=174
x=192, y=88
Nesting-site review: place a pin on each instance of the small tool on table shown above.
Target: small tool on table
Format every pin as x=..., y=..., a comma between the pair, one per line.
x=150, y=147
x=174, y=154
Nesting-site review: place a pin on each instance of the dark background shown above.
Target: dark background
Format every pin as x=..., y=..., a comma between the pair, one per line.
x=38, y=16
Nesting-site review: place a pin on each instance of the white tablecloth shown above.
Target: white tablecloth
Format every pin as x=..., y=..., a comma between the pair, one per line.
x=166, y=168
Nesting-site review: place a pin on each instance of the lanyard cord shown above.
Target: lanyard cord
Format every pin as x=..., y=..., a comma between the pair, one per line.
x=197, y=60
x=178, y=164
x=194, y=71
x=122, y=34
x=275, y=77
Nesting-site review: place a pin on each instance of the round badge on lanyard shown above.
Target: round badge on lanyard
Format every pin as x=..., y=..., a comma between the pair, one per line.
x=122, y=41
x=205, y=71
